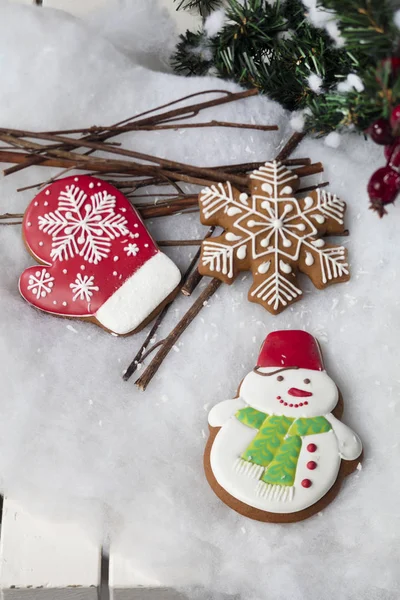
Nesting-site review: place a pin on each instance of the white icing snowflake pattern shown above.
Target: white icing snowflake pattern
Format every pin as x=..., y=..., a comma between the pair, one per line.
x=82, y=227
x=273, y=235
x=41, y=283
x=83, y=287
x=131, y=249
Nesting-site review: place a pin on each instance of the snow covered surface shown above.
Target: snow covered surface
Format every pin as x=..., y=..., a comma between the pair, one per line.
x=76, y=440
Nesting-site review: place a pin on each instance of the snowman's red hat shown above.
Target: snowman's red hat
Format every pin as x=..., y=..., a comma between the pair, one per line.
x=288, y=349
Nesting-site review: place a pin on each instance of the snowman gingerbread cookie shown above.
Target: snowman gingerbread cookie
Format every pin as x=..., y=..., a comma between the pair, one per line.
x=98, y=261
x=278, y=451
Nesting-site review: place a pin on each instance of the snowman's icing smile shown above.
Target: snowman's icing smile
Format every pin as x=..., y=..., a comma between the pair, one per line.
x=299, y=393
x=280, y=399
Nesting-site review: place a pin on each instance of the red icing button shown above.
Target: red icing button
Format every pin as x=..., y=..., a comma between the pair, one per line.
x=311, y=447
x=306, y=483
x=311, y=465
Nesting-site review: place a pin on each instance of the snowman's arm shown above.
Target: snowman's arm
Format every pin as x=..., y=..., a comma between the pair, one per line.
x=223, y=411
x=350, y=446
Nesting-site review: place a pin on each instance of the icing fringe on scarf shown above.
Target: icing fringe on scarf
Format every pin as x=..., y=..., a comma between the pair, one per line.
x=273, y=454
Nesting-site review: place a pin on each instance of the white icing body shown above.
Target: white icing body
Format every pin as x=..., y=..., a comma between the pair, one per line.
x=136, y=299
x=234, y=437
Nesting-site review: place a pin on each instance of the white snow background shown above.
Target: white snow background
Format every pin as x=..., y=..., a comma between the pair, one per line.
x=77, y=442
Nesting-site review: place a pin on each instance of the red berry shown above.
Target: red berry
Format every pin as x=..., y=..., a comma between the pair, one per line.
x=395, y=118
x=381, y=132
x=311, y=447
x=306, y=483
x=383, y=188
x=311, y=465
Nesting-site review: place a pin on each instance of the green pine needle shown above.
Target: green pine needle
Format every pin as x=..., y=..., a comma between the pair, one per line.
x=203, y=7
x=275, y=48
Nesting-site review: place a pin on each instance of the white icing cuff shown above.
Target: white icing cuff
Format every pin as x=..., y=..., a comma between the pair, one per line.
x=136, y=299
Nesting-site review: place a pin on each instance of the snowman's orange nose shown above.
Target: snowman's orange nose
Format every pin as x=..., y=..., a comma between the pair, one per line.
x=299, y=393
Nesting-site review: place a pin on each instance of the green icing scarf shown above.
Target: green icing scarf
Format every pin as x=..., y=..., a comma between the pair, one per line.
x=277, y=445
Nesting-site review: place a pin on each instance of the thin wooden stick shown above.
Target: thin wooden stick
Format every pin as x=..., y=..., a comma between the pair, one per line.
x=190, y=110
x=142, y=350
x=290, y=146
x=183, y=112
x=184, y=200
x=195, y=277
x=311, y=188
x=97, y=129
x=172, y=126
x=19, y=157
x=175, y=334
x=167, y=243
x=11, y=216
x=170, y=195
x=153, y=212
x=200, y=125
x=312, y=169
x=181, y=171
x=175, y=112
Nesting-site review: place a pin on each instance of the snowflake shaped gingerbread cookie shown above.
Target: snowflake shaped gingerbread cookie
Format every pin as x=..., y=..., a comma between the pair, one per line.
x=99, y=261
x=273, y=234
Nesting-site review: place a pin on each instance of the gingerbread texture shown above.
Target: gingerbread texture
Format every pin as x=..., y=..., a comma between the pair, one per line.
x=273, y=234
x=278, y=452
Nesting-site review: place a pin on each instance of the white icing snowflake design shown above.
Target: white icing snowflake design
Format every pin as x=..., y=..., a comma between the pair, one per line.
x=83, y=227
x=273, y=234
x=131, y=249
x=41, y=283
x=83, y=287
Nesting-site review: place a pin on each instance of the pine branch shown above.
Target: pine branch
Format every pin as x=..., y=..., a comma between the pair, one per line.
x=366, y=25
x=275, y=48
x=203, y=7
x=193, y=54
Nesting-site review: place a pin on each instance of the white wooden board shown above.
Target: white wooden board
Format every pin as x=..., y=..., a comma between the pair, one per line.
x=45, y=560
x=126, y=583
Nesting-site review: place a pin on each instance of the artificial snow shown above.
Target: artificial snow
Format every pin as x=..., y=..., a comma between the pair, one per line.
x=214, y=22
x=315, y=83
x=333, y=139
x=352, y=82
x=77, y=442
x=297, y=121
x=321, y=17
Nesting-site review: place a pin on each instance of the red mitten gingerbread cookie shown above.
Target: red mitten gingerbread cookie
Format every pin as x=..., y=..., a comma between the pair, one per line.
x=278, y=451
x=100, y=262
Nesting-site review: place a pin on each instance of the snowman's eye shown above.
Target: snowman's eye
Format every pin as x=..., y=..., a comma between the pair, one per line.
x=280, y=378
x=307, y=381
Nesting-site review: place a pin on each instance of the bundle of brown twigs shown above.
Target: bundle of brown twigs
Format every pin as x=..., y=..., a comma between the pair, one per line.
x=130, y=171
